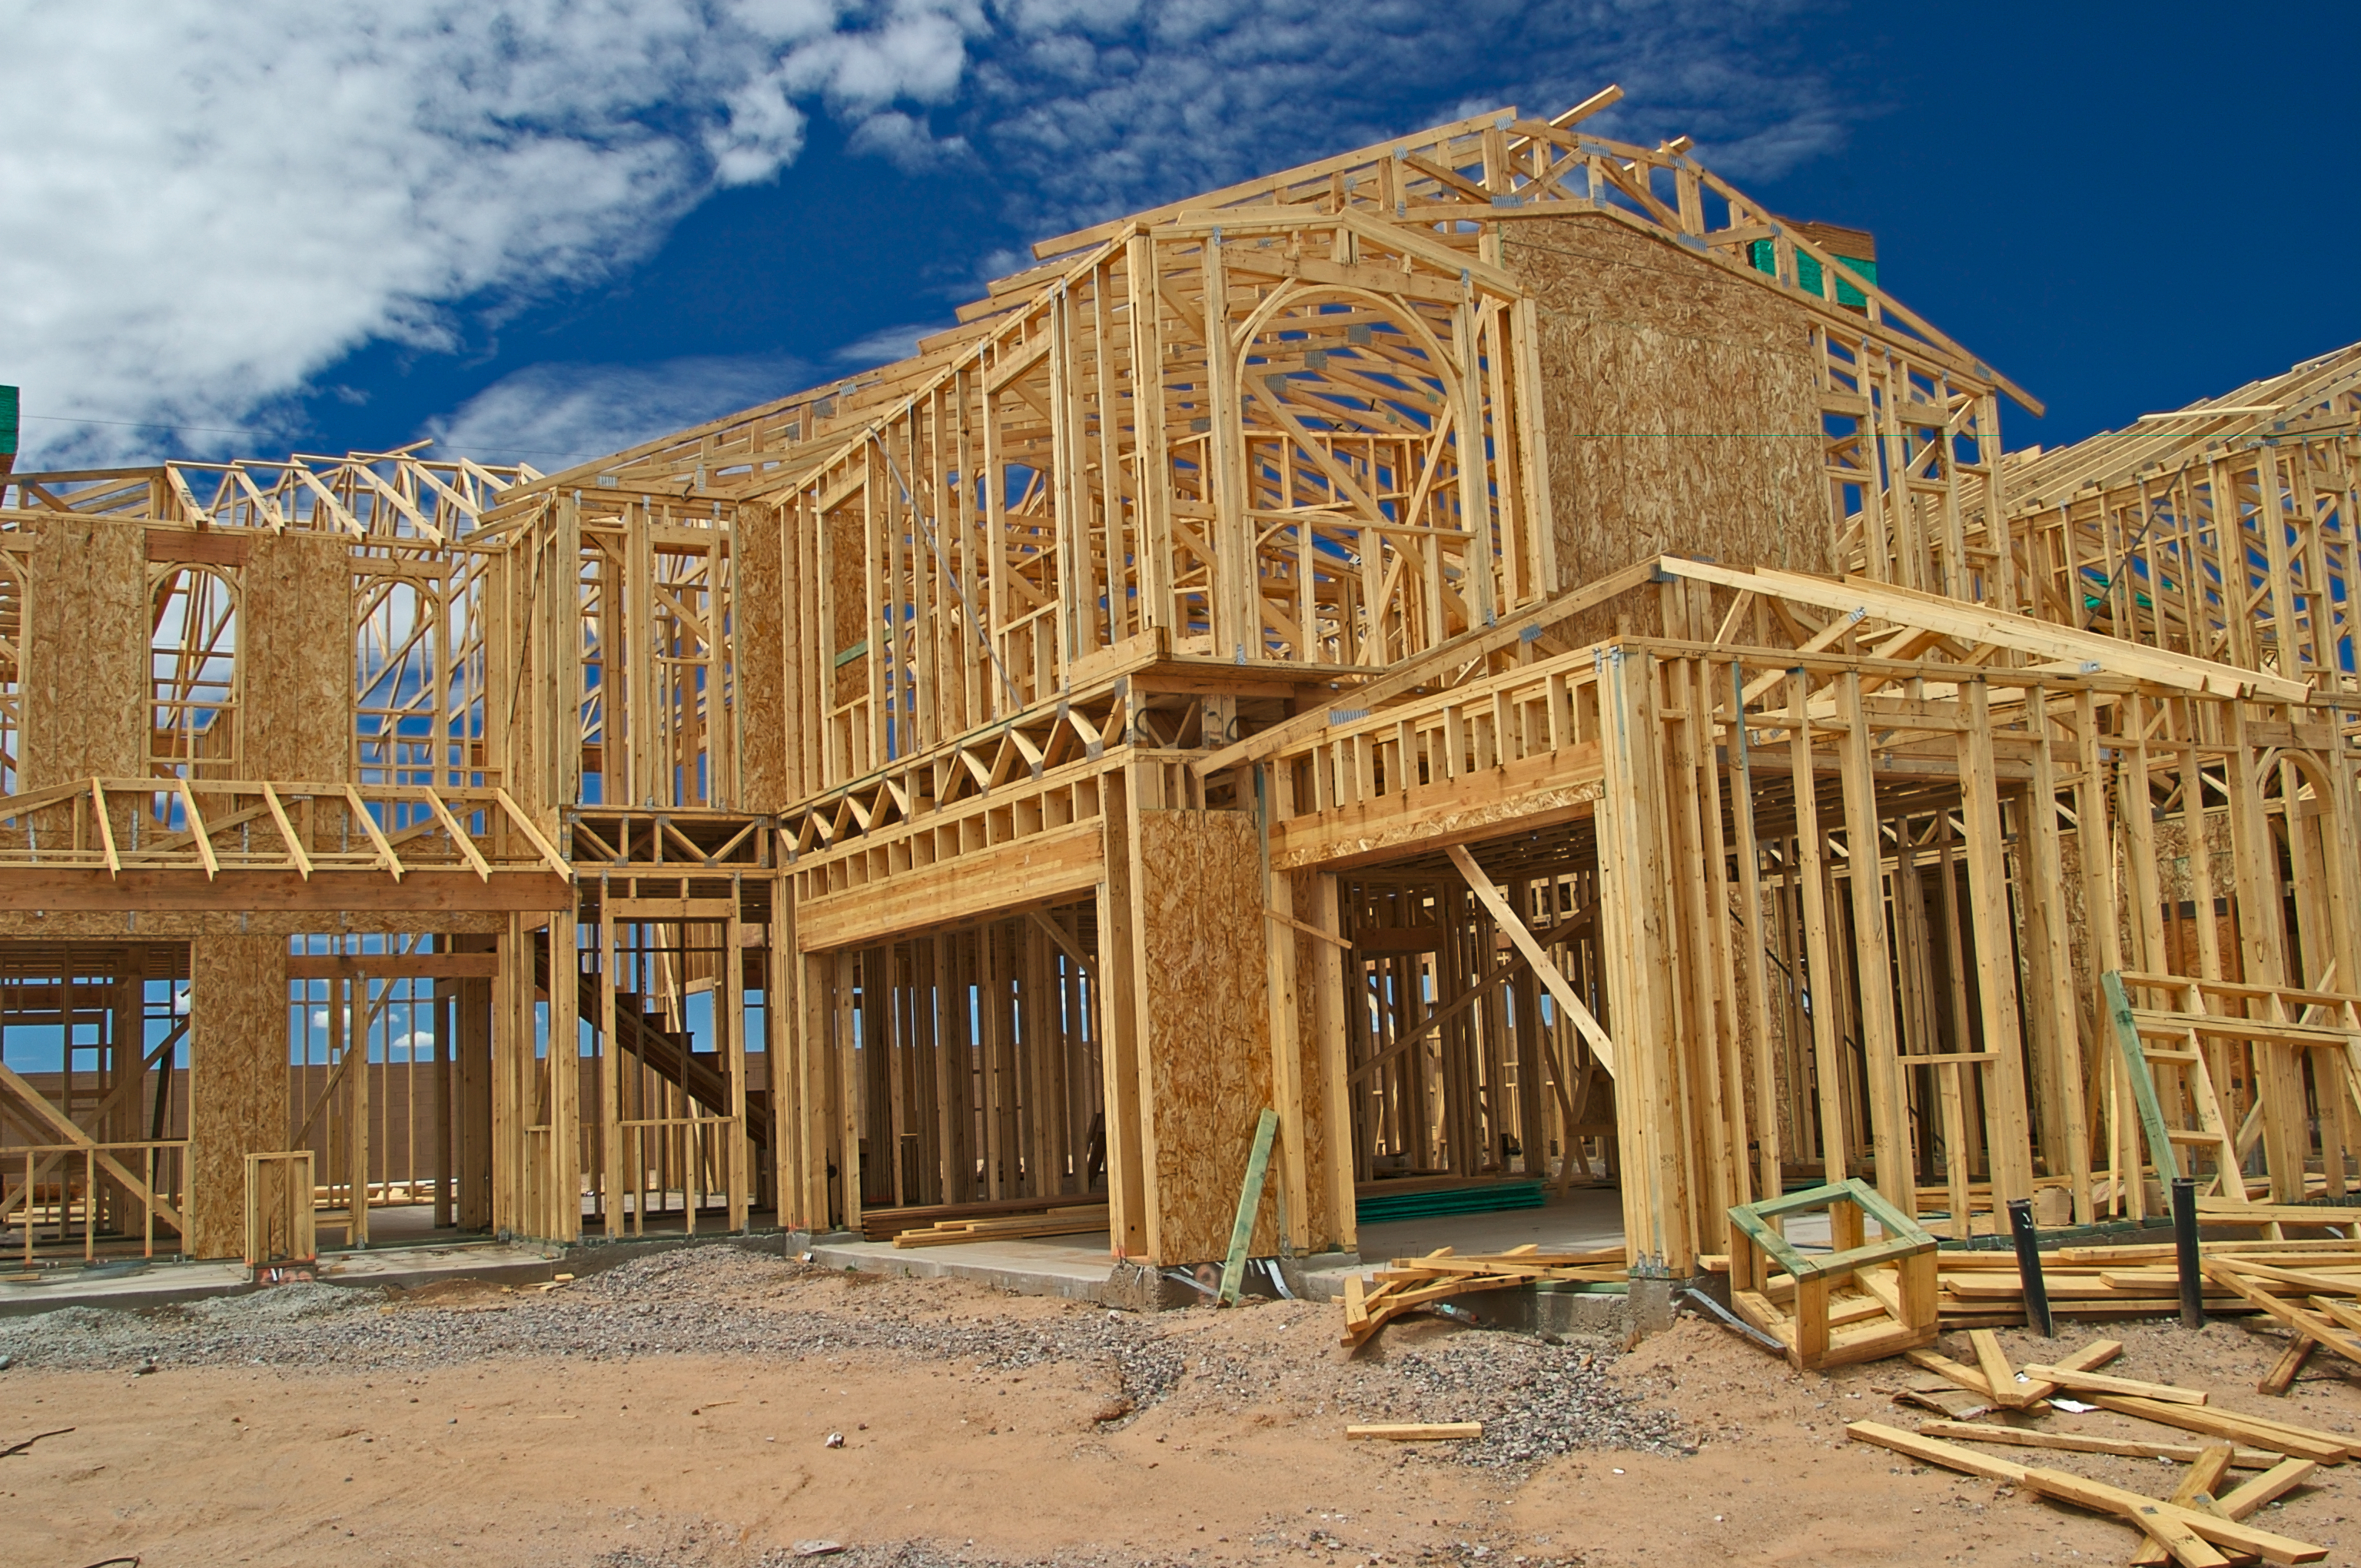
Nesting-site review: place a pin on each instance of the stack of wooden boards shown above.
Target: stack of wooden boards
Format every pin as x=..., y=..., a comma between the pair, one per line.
x=1410, y=1283
x=884, y=1225
x=2313, y=1287
x=1077, y=1220
x=2197, y=1523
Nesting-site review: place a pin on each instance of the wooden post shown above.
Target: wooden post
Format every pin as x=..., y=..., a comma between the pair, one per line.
x=2011, y=1146
x=730, y=1005
x=1635, y=929
x=611, y=1075
x=781, y=1057
x=1125, y=1129
x=1889, y=1101
x=564, y=1205
x=1819, y=966
x=1279, y=982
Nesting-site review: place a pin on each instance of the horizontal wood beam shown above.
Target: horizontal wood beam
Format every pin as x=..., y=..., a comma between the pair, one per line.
x=191, y=890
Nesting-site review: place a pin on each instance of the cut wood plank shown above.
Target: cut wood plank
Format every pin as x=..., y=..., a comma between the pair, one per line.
x=2205, y=1473
x=2000, y=1377
x=2272, y=1484
x=2221, y=1533
x=2099, y=1382
x=2082, y=1442
x=2096, y=1354
x=2339, y=1340
x=2284, y=1371
x=1416, y=1432
x=2196, y=1489
x=2098, y=1495
x=2297, y=1442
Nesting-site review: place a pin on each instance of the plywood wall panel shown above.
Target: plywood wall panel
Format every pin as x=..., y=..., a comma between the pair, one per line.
x=1203, y=1027
x=1682, y=405
x=298, y=655
x=758, y=582
x=237, y=1079
x=86, y=653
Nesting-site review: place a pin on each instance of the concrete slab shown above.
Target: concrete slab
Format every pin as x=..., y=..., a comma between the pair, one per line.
x=119, y=1284
x=160, y=1283
x=506, y=1263
x=1077, y=1267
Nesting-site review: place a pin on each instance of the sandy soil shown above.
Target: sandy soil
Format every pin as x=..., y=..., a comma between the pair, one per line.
x=544, y=1458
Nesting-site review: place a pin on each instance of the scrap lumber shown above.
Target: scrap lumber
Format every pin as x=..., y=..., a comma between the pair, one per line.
x=2195, y=1490
x=1999, y=1376
x=2094, y=1495
x=1413, y=1282
x=2284, y=1371
x=1077, y=1220
x=2303, y=1443
x=2316, y=1325
x=1416, y=1432
x=2084, y=1442
x=2096, y=1354
x=2100, y=1383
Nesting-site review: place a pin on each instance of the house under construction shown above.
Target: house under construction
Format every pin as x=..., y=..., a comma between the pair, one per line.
x=1494, y=646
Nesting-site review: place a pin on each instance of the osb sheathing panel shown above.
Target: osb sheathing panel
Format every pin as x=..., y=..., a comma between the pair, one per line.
x=237, y=1079
x=1682, y=407
x=1204, y=1033
x=86, y=653
x=298, y=657
x=758, y=582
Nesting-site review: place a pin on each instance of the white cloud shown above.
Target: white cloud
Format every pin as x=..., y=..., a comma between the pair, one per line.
x=884, y=346
x=906, y=141
x=554, y=416
x=201, y=207
x=1096, y=107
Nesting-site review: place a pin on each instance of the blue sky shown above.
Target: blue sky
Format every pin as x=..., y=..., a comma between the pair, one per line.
x=542, y=231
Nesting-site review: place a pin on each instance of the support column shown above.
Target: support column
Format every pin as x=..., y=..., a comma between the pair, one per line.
x=1129, y=1199
x=237, y=1081
x=1634, y=930
x=1204, y=1033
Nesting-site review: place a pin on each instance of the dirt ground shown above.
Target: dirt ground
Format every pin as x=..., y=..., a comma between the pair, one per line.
x=685, y=1413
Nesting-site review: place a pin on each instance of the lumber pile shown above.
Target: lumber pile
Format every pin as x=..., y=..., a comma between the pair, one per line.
x=1076, y=1219
x=2306, y=1285
x=2199, y=1524
x=1410, y=1283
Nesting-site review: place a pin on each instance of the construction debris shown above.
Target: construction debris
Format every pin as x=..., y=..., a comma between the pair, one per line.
x=1079, y=1219
x=1416, y=1432
x=1408, y=1283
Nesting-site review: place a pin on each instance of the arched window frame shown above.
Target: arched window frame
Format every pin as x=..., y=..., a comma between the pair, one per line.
x=196, y=676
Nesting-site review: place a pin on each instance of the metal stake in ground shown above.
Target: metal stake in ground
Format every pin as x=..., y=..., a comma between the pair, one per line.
x=2029, y=1267
x=2184, y=1239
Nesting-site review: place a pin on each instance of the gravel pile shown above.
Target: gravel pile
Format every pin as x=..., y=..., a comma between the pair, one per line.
x=1535, y=1399
x=701, y=1300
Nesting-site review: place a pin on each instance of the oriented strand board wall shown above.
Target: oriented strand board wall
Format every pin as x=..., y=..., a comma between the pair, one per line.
x=1204, y=1030
x=296, y=658
x=86, y=653
x=1682, y=405
x=758, y=588
x=237, y=1079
